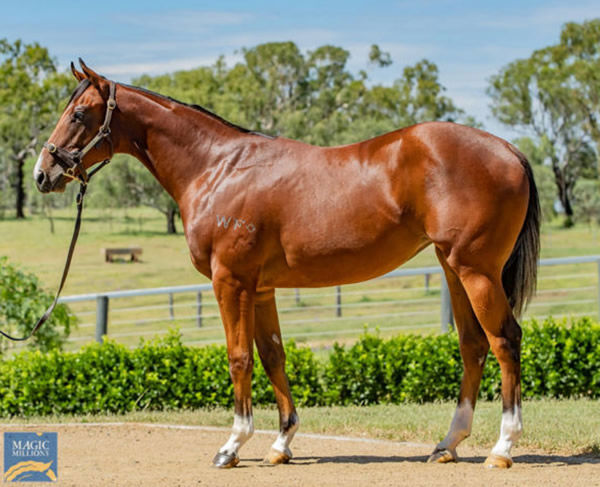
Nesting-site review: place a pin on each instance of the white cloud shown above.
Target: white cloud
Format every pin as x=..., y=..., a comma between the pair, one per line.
x=130, y=70
x=185, y=20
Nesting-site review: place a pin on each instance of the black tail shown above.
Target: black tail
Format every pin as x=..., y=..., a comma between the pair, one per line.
x=519, y=276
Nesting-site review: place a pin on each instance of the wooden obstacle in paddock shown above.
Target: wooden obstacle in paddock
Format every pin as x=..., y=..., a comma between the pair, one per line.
x=134, y=253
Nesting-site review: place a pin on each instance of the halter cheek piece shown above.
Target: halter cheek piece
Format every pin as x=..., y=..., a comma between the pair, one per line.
x=72, y=162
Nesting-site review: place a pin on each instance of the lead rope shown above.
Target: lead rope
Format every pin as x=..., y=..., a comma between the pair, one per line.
x=46, y=315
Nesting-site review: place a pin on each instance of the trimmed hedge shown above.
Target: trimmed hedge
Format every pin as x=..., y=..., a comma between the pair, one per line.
x=558, y=361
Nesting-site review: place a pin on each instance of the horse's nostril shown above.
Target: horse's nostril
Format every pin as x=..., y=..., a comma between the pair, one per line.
x=40, y=178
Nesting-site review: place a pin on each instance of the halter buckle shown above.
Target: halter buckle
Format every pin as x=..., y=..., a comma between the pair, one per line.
x=70, y=173
x=111, y=104
x=51, y=148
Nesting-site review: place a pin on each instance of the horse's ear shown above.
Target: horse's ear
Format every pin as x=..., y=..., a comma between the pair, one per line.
x=98, y=81
x=78, y=74
x=90, y=73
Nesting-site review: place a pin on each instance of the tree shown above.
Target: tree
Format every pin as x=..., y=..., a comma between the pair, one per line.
x=379, y=57
x=545, y=96
x=579, y=49
x=587, y=199
x=30, y=93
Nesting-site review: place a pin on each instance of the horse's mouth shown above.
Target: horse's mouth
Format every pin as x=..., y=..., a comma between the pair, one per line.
x=60, y=184
x=56, y=186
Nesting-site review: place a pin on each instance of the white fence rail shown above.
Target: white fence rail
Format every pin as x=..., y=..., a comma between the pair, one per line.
x=340, y=305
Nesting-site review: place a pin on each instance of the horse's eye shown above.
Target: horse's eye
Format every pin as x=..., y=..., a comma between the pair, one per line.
x=78, y=116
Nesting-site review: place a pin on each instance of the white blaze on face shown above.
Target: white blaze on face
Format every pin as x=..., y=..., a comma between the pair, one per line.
x=510, y=431
x=243, y=427
x=460, y=427
x=37, y=169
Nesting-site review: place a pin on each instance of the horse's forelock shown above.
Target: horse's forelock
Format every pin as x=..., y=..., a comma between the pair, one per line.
x=81, y=87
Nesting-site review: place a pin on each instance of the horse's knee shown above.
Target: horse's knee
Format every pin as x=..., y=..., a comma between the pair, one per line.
x=240, y=363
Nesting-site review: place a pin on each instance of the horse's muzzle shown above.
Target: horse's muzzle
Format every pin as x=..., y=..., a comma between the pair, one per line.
x=42, y=181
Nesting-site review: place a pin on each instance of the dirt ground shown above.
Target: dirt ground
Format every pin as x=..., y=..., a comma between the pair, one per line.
x=148, y=455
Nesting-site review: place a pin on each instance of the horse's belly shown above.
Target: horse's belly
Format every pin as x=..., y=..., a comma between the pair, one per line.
x=338, y=261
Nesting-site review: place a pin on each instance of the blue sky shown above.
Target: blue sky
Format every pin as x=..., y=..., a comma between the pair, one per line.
x=468, y=40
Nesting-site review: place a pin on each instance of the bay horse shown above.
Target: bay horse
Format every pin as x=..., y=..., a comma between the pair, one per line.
x=263, y=212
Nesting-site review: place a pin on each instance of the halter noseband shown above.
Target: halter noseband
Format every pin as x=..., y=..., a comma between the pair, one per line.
x=72, y=162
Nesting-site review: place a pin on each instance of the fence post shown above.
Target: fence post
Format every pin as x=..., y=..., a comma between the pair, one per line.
x=101, y=317
x=199, y=309
x=171, y=310
x=447, y=318
x=297, y=292
x=427, y=276
x=338, y=301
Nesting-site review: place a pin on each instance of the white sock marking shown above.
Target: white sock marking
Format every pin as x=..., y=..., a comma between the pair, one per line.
x=510, y=431
x=282, y=443
x=460, y=427
x=243, y=428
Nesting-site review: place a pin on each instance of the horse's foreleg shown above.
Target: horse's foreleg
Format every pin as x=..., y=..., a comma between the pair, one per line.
x=504, y=335
x=270, y=348
x=236, y=304
x=473, y=349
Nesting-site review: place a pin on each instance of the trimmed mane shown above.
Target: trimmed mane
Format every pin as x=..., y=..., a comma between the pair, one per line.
x=202, y=110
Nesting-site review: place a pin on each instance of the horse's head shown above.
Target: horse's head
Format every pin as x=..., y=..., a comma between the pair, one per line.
x=81, y=137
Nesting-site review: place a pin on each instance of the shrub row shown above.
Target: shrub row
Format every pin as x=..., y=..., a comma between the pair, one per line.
x=558, y=361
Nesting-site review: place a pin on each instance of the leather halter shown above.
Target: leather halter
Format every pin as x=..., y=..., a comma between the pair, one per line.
x=72, y=162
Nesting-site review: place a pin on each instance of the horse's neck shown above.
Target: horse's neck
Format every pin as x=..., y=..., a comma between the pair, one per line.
x=176, y=143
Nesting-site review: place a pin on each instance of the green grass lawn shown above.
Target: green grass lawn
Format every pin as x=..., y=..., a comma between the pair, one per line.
x=565, y=426
x=165, y=262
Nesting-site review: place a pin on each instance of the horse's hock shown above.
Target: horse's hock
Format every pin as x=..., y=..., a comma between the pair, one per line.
x=134, y=253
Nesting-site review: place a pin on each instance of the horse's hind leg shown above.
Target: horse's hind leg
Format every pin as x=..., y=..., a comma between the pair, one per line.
x=474, y=347
x=490, y=304
x=270, y=348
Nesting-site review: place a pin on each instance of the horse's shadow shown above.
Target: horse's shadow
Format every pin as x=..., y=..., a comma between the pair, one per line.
x=529, y=459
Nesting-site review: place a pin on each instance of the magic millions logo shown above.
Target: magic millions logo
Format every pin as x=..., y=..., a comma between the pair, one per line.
x=30, y=457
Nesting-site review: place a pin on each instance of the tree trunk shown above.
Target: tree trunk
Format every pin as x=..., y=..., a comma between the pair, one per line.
x=171, y=212
x=564, y=190
x=20, y=189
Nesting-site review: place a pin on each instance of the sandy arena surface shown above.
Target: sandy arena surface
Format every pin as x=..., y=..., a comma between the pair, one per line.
x=147, y=455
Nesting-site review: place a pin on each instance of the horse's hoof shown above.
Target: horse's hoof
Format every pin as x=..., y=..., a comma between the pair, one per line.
x=225, y=460
x=496, y=461
x=276, y=457
x=443, y=456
